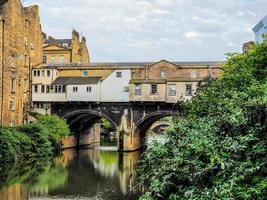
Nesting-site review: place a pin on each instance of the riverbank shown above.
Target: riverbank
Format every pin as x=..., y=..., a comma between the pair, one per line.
x=36, y=140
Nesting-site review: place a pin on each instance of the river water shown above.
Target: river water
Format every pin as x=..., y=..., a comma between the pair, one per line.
x=84, y=174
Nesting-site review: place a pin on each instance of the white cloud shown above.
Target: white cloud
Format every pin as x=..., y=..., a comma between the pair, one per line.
x=149, y=30
x=192, y=35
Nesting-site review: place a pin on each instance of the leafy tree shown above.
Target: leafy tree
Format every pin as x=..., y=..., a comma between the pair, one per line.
x=218, y=151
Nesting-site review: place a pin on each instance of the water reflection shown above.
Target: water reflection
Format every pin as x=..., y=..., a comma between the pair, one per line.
x=83, y=174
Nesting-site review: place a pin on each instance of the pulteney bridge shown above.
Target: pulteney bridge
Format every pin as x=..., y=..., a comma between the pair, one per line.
x=131, y=120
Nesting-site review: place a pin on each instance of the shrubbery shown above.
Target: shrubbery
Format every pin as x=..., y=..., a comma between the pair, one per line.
x=40, y=139
x=218, y=151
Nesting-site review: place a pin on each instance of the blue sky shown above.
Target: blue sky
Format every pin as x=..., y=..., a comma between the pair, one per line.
x=151, y=30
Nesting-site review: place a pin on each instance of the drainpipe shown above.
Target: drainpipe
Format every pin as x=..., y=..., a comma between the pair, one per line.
x=2, y=63
x=30, y=84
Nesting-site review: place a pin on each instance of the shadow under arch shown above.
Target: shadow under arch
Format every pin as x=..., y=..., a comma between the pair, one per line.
x=81, y=124
x=144, y=124
x=83, y=117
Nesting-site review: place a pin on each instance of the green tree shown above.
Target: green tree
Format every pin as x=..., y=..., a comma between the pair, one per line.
x=218, y=151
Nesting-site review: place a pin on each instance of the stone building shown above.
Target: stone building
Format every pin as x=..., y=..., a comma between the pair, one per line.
x=169, y=81
x=62, y=51
x=21, y=49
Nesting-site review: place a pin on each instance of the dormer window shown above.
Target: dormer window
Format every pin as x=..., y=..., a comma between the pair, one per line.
x=65, y=45
x=85, y=73
x=163, y=74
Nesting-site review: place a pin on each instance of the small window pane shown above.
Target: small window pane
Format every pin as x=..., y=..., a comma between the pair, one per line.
x=62, y=59
x=154, y=89
x=118, y=74
x=53, y=59
x=138, y=89
x=163, y=74
x=44, y=59
x=172, y=90
x=85, y=73
x=89, y=89
x=188, y=89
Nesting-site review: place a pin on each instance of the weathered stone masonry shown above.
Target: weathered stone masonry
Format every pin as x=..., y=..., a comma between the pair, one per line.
x=21, y=49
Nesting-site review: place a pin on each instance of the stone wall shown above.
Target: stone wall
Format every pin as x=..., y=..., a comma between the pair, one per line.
x=21, y=45
x=79, y=49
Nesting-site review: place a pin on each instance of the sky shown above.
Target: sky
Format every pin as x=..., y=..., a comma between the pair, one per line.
x=151, y=30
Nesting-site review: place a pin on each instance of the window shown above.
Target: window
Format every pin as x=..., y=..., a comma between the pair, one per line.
x=154, y=89
x=35, y=89
x=47, y=89
x=85, y=73
x=44, y=59
x=12, y=104
x=51, y=87
x=138, y=89
x=65, y=45
x=172, y=90
x=133, y=74
x=188, y=90
x=36, y=73
x=48, y=73
x=53, y=59
x=13, y=84
x=62, y=59
x=75, y=89
x=126, y=89
x=43, y=88
x=118, y=74
x=43, y=72
x=60, y=89
x=39, y=105
x=89, y=89
x=163, y=74
x=63, y=88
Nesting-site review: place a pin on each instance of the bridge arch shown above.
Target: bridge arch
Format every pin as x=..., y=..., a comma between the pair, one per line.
x=144, y=124
x=85, y=116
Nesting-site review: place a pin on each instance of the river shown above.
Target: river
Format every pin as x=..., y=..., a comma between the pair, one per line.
x=83, y=174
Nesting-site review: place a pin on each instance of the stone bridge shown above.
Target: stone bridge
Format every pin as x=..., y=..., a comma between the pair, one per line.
x=130, y=120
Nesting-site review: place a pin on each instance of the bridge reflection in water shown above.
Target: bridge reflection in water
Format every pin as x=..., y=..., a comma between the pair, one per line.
x=83, y=174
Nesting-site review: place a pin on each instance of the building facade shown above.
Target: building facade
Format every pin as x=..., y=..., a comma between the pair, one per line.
x=62, y=51
x=260, y=31
x=169, y=82
x=21, y=50
x=163, y=81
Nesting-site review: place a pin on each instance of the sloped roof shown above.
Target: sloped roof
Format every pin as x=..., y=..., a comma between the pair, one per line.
x=58, y=41
x=76, y=80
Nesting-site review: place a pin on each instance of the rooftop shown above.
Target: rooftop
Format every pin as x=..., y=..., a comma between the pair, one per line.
x=127, y=65
x=51, y=40
x=76, y=80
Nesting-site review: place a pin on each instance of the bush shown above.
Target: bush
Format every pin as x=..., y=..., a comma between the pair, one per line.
x=218, y=151
x=41, y=139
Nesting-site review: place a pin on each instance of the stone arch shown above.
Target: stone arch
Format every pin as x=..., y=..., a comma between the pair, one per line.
x=143, y=124
x=84, y=116
x=82, y=124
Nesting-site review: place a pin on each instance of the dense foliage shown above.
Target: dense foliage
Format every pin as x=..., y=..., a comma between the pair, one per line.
x=40, y=139
x=218, y=150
